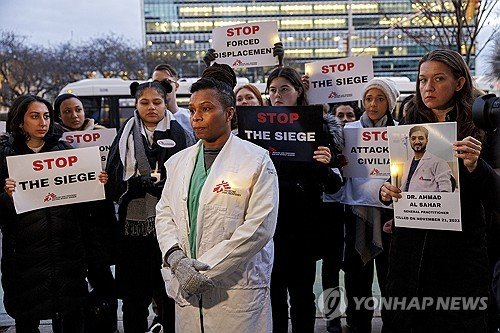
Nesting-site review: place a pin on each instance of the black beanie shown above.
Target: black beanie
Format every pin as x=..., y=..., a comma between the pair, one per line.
x=57, y=104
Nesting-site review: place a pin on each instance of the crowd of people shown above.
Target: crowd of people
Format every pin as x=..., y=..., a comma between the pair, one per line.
x=220, y=237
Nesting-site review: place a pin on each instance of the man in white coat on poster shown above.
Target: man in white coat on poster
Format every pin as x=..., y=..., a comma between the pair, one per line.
x=216, y=219
x=425, y=172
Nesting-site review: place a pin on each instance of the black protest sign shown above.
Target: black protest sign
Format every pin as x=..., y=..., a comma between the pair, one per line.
x=289, y=133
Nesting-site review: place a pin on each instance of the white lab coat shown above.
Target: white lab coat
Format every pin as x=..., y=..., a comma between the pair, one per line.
x=234, y=237
x=433, y=174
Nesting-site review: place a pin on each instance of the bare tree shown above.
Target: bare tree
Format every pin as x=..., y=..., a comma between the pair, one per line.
x=453, y=24
x=11, y=48
x=44, y=71
x=494, y=60
x=112, y=56
x=32, y=69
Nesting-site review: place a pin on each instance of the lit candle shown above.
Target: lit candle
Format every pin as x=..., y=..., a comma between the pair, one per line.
x=156, y=174
x=394, y=176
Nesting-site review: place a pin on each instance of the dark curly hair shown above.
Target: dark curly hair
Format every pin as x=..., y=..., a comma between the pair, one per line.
x=225, y=93
x=219, y=77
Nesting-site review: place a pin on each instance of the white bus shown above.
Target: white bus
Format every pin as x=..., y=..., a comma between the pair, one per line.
x=108, y=101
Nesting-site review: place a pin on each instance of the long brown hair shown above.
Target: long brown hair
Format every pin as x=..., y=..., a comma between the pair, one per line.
x=464, y=98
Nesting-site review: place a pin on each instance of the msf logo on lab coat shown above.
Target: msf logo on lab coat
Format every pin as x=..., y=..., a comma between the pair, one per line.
x=224, y=188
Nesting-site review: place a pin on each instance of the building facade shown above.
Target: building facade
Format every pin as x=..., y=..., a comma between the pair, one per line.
x=396, y=33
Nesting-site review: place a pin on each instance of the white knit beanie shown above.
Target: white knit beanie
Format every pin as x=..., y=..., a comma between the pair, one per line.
x=387, y=86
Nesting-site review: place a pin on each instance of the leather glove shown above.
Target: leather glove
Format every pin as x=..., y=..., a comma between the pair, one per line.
x=209, y=57
x=157, y=187
x=141, y=183
x=279, y=51
x=186, y=271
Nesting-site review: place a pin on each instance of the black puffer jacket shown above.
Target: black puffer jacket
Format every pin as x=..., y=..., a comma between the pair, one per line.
x=43, y=252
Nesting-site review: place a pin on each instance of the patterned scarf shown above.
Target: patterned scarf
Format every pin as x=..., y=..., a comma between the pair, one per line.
x=141, y=212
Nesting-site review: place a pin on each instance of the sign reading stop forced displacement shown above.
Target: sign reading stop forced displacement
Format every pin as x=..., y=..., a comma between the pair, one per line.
x=103, y=138
x=56, y=178
x=246, y=45
x=339, y=80
x=288, y=132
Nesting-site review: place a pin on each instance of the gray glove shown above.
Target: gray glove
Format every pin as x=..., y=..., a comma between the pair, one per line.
x=186, y=271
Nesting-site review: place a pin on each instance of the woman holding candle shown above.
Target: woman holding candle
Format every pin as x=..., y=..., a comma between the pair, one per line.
x=136, y=179
x=435, y=264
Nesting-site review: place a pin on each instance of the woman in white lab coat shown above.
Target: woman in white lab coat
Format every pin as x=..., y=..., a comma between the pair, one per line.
x=216, y=218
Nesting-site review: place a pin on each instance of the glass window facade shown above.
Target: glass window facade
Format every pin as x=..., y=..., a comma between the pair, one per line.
x=309, y=30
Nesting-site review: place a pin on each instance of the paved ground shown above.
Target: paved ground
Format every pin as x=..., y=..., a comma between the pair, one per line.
x=320, y=327
x=6, y=322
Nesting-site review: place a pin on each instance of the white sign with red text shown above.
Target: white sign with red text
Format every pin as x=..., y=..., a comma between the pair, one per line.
x=367, y=152
x=246, y=45
x=339, y=80
x=103, y=138
x=56, y=178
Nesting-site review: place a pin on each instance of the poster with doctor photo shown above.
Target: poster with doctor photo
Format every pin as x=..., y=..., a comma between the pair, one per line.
x=424, y=168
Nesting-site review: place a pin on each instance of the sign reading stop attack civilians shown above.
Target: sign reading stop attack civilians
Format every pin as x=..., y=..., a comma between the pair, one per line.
x=339, y=80
x=367, y=151
x=288, y=132
x=246, y=45
x=55, y=178
x=103, y=138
